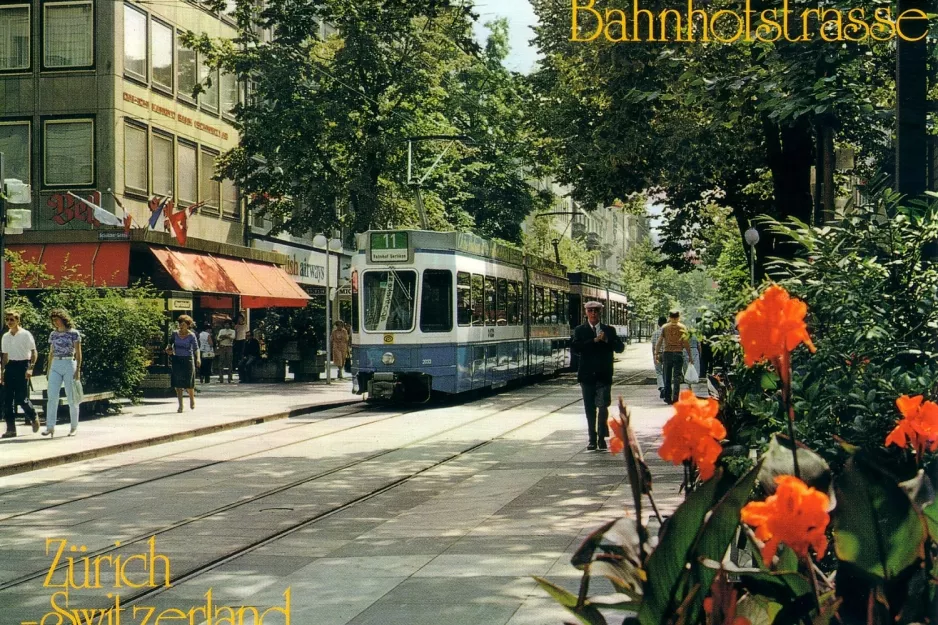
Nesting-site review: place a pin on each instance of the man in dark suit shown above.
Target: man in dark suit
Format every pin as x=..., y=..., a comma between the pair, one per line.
x=595, y=343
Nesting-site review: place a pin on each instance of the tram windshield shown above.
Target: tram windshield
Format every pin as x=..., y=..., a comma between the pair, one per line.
x=389, y=300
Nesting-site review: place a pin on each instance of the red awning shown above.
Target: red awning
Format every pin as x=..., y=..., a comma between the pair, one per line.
x=93, y=264
x=259, y=285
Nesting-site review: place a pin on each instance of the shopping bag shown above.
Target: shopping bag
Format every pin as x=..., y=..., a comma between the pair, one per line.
x=691, y=376
x=78, y=392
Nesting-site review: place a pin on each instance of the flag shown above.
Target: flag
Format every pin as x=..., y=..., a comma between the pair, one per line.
x=100, y=215
x=128, y=222
x=168, y=207
x=179, y=225
x=156, y=205
x=196, y=207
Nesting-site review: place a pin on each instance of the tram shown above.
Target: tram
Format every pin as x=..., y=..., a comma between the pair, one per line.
x=585, y=287
x=450, y=312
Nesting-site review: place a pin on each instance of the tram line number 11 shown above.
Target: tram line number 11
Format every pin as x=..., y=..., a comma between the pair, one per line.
x=389, y=246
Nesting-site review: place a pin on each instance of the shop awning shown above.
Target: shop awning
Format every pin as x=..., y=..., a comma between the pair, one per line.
x=260, y=285
x=93, y=264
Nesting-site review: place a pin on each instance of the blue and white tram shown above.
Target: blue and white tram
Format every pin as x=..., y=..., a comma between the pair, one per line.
x=448, y=312
x=585, y=287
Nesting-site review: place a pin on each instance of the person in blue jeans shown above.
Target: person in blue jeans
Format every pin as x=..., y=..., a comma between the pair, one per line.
x=64, y=367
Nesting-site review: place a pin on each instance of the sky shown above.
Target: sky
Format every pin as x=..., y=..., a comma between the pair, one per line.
x=521, y=18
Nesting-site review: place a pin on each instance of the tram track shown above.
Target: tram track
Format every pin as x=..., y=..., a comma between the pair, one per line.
x=197, y=571
x=141, y=538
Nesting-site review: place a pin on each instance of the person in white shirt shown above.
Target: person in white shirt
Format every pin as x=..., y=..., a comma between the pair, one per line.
x=19, y=358
x=207, y=347
x=226, y=338
x=241, y=329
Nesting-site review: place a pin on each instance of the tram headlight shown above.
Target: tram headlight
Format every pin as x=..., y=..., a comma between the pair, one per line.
x=387, y=358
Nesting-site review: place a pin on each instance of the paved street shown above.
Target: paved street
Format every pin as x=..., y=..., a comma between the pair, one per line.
x=358, y=514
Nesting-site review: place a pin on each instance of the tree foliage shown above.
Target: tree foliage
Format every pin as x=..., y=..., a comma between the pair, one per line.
x=323, y=135
x=731, y=124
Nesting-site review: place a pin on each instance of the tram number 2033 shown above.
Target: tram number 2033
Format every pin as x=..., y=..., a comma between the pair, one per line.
x=427, y=361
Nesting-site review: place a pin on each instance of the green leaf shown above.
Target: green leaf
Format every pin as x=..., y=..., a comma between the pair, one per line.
x=769, y=381
x=931, y=519
x=587, y=614
x=778, y=460
x=876, y=527
x=667, y=582
x=716, y=534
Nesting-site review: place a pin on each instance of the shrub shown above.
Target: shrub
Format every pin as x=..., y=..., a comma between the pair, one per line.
x=116, y=324
x=873, y=305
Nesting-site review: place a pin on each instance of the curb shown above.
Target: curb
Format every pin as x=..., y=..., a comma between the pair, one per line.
x=88, y=454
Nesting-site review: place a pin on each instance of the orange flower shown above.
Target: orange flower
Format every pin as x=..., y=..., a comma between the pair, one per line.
x=771, y=327
x=617, y=438
x=693, y=433
x=919, y=426
x=795, y=515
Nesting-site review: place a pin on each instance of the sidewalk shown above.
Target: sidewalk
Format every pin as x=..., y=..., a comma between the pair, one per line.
x=218, y=407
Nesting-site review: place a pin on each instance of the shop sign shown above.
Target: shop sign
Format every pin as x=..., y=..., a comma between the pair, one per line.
x=178, y=117
x=305, y=266
x=66, y=208
x=113, y=235
x=178, y=303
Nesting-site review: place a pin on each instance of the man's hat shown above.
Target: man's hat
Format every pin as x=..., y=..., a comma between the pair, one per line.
x=590, y=305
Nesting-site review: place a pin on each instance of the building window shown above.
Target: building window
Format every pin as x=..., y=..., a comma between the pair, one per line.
x=135, y=43
x=186, y=69
x=161, y=55
x=14, y=144
x=68, y=147
x=14, y=37
x=135, y=159
x=187, y=167
x=229, y=199
x=208, y=77
x=229, y=93
x=68, y=35
x=208, y=188
x=163, y=160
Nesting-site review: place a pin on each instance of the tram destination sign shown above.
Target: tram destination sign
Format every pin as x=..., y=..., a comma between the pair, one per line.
x=389, y=247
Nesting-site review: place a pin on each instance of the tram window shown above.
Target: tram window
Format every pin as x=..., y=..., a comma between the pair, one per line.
x=513, y=317
x=563, y=307
x=554, y=306
x=501, y=302
x=389, y=300
x=489, y=301
x=463, y=299
x=477, y=300
x=436, y=301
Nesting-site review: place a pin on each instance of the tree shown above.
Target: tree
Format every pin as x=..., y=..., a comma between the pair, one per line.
x=323, y=134
x=538, y=241
x=738, y=124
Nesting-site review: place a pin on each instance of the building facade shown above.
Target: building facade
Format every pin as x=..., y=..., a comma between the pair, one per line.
x=97, y=109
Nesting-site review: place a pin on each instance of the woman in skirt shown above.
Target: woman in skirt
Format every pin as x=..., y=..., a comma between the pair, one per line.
x=183, y=349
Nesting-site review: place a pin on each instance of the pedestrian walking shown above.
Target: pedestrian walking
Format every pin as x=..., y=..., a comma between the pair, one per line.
x=183, y=348
x=207, y=352
x=19, y=358
x=656, y=355
x=241, y=331
x=64, y=367
x=225, y=352
x=339, y=341
x=670, y=347
x=252, y=354
x=595, y=343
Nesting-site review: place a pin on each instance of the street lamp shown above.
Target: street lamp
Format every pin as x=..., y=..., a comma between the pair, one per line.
x=329, y=244
x=752, y=239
